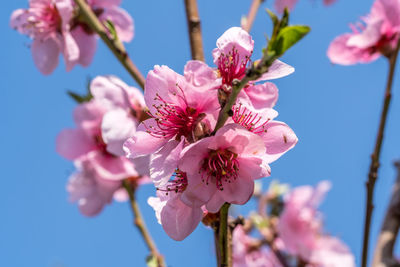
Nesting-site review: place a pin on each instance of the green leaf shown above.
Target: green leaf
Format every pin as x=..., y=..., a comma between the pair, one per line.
x=151, y=261
x=273, y=17
x=111, y=28
x=285, y=18
x=288, y=36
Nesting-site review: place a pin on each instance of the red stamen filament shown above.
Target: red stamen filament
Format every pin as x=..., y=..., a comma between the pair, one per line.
x=252, y=122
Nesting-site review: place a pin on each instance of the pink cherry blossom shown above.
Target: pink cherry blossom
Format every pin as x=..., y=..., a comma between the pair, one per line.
x=366, y=43
x=222, y=168
x=103, y=124
x=177, y=219
x=232, y=57
x=245, y=254
x=55, y=30
x=182, y=109
x=300, y=223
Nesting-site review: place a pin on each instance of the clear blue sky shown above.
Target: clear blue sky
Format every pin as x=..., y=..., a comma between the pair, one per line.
x=333, y=109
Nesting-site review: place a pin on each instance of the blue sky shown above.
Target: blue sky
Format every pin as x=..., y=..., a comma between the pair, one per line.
x=334, y=111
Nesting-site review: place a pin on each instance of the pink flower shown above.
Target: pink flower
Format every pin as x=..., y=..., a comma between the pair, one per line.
x=245, y=254
x=55, y=30
x=281, y=4
x=222, y=168
x=103, y=124
x=366, y=44
x=177, y=219
x=232, y=56
x=89, y=189
x=331, y=252
x=182, y=109
x=300, y=223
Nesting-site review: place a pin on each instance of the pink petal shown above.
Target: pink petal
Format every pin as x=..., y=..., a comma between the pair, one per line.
x=141, y=144
x=164, y=162
x=122, y=21
x=87, y=44
x=88, y=116
x=262, y=95
x=277, y=70
x=199, y=73
x=197, y=192
x=111, y=92
x=367, y=38
x=73, y=143
x=237, y=192
x=215, y=203
x=105, y=3
x=180, y=220
x=340, y=53
x=70, y=51
x=278, y=139
x=45, y=54
x=237, y=38
x=117, y=126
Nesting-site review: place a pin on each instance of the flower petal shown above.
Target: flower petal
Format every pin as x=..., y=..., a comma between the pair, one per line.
x=45, y=54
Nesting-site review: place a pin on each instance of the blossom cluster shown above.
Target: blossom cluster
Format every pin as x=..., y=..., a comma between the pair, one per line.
x=295, y=232
x=95, y=145
x=209, y=169
x=56, y=28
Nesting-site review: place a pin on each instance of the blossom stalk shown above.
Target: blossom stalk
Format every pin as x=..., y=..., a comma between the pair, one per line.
x=141, y=226
x=255, y=5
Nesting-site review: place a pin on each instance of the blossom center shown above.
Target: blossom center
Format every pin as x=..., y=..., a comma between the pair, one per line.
x=172, y=120
x=251, y=121
x=231, y=67
x=221, y=165
x=43, y=20
x=178, y=184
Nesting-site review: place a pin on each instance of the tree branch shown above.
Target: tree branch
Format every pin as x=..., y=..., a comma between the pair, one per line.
x=194, y=27
x=224, y=243
x=374, y=166
x=89, y=17
x=141, y=226
x=255, y=5
x=383, y=256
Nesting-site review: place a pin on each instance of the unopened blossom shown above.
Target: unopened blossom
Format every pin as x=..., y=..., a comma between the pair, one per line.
x=281, y=4
x=300, y=222
x=378, y=35
x=102, y=124
x=177, y=219
x=247, y=251
x=182, y=109
x=222, y=168
x=55, y=29
x=233, y=57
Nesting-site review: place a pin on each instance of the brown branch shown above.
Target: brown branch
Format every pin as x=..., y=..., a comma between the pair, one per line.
x=383, y=256
x=141, y=225
x=194, y=26
x=87, y=15
x=374, y=166
x=255, y=5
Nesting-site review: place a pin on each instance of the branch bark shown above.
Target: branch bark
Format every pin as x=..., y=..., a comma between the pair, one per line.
x=255, y=5
x=141, y=225
x=374, y=166
x=117, y=48
x=383, y=256
x=194, y=27
x=224, y=241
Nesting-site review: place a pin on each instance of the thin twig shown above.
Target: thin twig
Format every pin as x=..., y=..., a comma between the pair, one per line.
x=383, y=256
x=194, y=27
x=255, y=5
x=141, y=226
x=118, y=49
x=223, y=237
x=374, y=166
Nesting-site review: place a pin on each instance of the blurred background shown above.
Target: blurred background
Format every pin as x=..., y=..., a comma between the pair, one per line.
x=334, y=111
